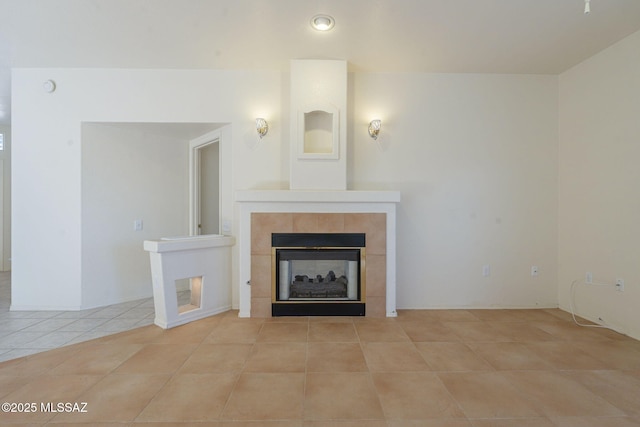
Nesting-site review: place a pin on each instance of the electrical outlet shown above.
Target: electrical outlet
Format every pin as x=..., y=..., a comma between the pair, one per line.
x=620, y=285
x=137, y=225
x=534, y=270
x=588, y=279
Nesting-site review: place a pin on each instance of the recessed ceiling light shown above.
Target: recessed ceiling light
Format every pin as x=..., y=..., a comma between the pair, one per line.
x=322, y=22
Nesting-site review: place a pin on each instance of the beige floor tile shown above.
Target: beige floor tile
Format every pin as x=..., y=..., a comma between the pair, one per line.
x=557, y=395
x=263, y=423
x=393, y=357
x=277, y=357
x=570, y=331
x=342, y=423
x=405, y=315
x=117, y=398
x=97, y=359
x=345, y=395
x=616, y=336
x=332, y=332
x=332, y=319
x=157, y=359
x=614, y=354
x=559, y=314
x=414, y=396
x=487, y=395
x=438, y=422
x=476, y=332
x=596, y=422
x=563, y=355
x=495, y=315
x=43, y=389
x=211, y=358
x=94, y=424
x=231, y=330
x=509, y=356
x=284, y=332
x=190, y=397
x=10, y=383
x=534, y=315
x=454, y=356
x=617, y=387
x=288, y=319
x=380, y=330
x=173, y=424
x=513, y=422
x=521, y=331
x=260, y=396
x=428, y=331
x=190, y=333
x=39, y=363
x=143, y=335
x=453, y=315
x=335, y=357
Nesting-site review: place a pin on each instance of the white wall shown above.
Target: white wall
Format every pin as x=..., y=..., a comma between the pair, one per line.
x=47, y=235
x=475, y=157
x=599, y=175
x=128, y=173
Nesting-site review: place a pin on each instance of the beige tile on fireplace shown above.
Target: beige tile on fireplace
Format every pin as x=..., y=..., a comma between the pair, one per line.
x=376, y=275
x=261, y=276
x=260, y=307
x=374, y=225
x=331, y=223
x=376, y=306
x=305, y=223
x=263, y=224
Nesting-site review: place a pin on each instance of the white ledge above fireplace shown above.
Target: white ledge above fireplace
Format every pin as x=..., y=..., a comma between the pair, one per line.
x=326, y=196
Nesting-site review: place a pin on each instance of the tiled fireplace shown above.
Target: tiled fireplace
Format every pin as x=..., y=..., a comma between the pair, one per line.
x=263, y=213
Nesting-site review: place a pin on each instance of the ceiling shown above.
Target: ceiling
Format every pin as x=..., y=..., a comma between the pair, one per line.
x=442, y=36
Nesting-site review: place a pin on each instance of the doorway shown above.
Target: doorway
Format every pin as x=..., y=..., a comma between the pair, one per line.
x=209, y=188
x=204, y=165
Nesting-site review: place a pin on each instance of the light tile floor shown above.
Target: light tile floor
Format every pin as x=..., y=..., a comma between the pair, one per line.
x=427, y=368
x=27, y=332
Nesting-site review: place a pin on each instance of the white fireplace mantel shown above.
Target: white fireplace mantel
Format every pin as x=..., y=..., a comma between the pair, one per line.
x=314, y=201
x=321, y=196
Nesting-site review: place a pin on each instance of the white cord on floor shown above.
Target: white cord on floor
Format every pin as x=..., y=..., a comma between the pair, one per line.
x=571, y=306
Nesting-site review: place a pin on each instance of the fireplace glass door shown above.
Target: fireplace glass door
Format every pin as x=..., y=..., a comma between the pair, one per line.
x=317, y=274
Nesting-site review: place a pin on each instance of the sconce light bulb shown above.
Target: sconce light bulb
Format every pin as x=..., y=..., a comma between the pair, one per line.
x=587, y=6
x=374, y=128
x=262, y=127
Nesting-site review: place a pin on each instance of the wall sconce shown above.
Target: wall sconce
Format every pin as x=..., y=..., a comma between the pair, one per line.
x=262, y=127
x=374, y=128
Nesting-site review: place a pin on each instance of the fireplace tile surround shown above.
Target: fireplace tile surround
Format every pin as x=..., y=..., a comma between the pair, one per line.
x=289, y=211
x=373, y=225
